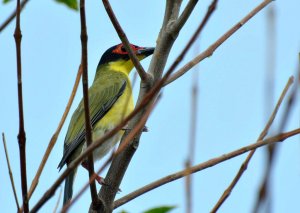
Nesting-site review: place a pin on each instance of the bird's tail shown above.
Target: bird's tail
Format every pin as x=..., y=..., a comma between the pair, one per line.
x=68, y=192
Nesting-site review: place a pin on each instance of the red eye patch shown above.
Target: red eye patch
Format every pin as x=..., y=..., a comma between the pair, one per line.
x=120, y=49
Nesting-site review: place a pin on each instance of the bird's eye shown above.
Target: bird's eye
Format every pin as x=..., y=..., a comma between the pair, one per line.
x=123, y=49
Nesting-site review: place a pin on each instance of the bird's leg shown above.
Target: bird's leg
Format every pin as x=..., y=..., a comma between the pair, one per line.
x=99, y=179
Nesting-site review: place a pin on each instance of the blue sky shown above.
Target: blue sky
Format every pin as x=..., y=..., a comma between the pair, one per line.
x=231, y=106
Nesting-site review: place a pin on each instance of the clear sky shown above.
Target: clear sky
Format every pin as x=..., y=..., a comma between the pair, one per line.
x=231, y=106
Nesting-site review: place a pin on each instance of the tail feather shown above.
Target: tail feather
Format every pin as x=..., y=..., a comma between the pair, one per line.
x=68, y=192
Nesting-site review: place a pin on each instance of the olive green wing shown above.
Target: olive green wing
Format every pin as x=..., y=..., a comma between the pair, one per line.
x=100, y=101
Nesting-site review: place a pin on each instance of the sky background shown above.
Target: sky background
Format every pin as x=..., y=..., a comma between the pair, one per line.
x=231, y=107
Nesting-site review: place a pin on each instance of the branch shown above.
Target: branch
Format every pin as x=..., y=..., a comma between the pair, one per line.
x=22, y=134
x=184, y=15
x=143, y=75
x=10, y=173
x=175, y=176
x=12, y=16
x=55, y=135
x=261, y=137
x=58, y=200
x=88, y=127
x=210, y=50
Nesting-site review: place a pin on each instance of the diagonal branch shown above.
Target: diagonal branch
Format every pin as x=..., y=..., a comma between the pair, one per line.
x=10, y=173
x=12, y=16
x=143, y=75
x=55, y=135
x=261, y=137
x=210, y=50
x=88, y=126
x=22, y=134
x=212, y=162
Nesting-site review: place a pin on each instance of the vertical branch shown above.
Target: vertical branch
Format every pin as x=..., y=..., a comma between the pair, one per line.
x=88, y=127
x=21, y=135
x=263, y=194
x=10, y=172
x=191, y=151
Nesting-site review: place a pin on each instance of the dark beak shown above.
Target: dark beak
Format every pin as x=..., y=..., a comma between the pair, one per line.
x=145, y=51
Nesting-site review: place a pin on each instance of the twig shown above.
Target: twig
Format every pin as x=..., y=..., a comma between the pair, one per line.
x=261, y=136
x=88, y=126
x=58, y=200
x=22, y=134
x=10, y=172
x=122, y=146
x=212, y=162
x=143, y=75
x=12, y=16
x=56, y=133
x=185, y=15
x=210, y=50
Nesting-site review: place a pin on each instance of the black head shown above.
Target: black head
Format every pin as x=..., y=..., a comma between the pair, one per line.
x=118, y=52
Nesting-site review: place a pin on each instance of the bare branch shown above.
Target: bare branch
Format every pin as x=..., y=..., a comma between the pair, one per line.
x=10, y=173
x=22, y=134
x=261, y=137
x=175, y=176
x=56, y=133
x=210, y=50
x=184, y=15
x=192, y=143
x=88, y=126
x=12, y=16
x=143, y=75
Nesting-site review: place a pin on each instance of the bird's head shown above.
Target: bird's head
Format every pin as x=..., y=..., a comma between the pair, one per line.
x=117, y=58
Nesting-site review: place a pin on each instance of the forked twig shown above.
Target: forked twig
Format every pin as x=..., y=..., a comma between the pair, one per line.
x=261, y=137
x=10, y=172
x=12, y=16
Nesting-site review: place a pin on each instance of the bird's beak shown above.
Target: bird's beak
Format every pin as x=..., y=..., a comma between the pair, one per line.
x=145, y=51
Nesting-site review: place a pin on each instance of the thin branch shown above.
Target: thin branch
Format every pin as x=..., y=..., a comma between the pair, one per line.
x=184, y=15
x=56, y=133
x=210, y=50
x=12, y=16
x=88, y=126
x=192, y=143
x=122, y=146
x=58, y=200
x=264, y=195
x=22, y=134
x=212, y=162
x=10, y=173
x=143, y=75
x=273, y=149
x=261, y=137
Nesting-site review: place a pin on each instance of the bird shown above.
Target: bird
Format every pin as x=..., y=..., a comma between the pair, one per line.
x=110, y=100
